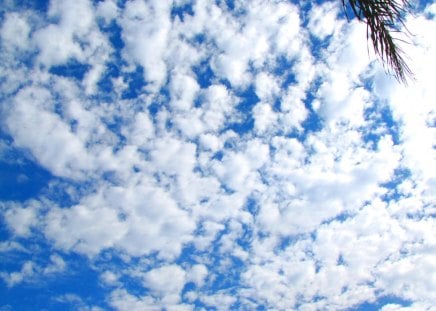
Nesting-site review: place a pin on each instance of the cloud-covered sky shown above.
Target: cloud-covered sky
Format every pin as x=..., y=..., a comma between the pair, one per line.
x=213, y=155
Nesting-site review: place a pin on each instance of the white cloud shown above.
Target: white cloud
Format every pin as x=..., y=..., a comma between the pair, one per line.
x=13, y=278
x=83, y=229
x=233, y=171
x=10, y=246
x=21, y=220
x=74, y=37
x=218, y=106
x=220, y=301
x=75, y=15
x=107, y=9
x=413, y=307
x=166, y=282
x=122, y=300
x=15, y=32
x=322, y=19
x=264, y=117
x=32, y=124
x=56, y=47
x=140, y=130
x=267, y=87
x=183, y=89
x=342, y=101
x=173, y=156
x=142, y=220
x=210, y=142
x=56, y=41
x=57, y=265
x=197, y=274
x=402, y=277
x=110, y=278
x=145, y=31
x=75, y=301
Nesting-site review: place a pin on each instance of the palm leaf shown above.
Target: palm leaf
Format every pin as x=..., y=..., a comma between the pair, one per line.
x=383, y=19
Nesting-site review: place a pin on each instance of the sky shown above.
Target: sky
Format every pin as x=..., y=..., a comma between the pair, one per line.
x=213, y=155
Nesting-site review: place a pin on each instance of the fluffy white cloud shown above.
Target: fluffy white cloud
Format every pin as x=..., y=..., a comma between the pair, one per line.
x=145, y=31
x=165, y=285
x=142, y=220
x=84, y=229
x=22, y=219
x=108, y=10
x=15, y=32
x=32, y=122
x=166, y=281
x=322, y=19
x=56, y=42
x=197, y=274
x=183, y=89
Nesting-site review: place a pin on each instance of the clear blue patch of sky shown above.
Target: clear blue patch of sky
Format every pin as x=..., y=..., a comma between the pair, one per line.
x=243, y=127
x=346, y=11
x=382, y=301
x=284, y=68
x=37, y=5
x=229, y=4
x=204, y=74
x=244, y=241
x=154, y=108
x=420, y=5
x=41, y=291
x=136, y=83
x=96, y=2
x=248, y=100
x=182, y=10
x=379, y=116
x=5, y=234
x=134, y=285
x=252, y=207
x=22, y=180
x=319, y=46
x=198, y=305
x=21, y=177
x=105, y=84
x=399, y=176
x=60, y=189
x=114, y=32
x=313, y=122
x=289, y=240
x=189, y=254
x=72, y=69
x=338, y=218
x=113, y=67
x=261, y=308
x=230, y=281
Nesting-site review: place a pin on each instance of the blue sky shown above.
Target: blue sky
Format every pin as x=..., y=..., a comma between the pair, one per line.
x=213, y=155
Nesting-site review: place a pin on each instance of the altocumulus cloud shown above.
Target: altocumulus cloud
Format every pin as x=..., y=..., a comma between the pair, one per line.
x=213, y=155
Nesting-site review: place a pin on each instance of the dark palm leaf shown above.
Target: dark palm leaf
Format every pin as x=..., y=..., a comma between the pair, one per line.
x=384, y=18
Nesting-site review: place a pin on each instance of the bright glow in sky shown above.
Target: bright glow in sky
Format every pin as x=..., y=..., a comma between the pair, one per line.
x=213, y=155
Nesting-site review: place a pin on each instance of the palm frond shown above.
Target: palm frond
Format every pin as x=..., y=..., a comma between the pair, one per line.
x=384, y=18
